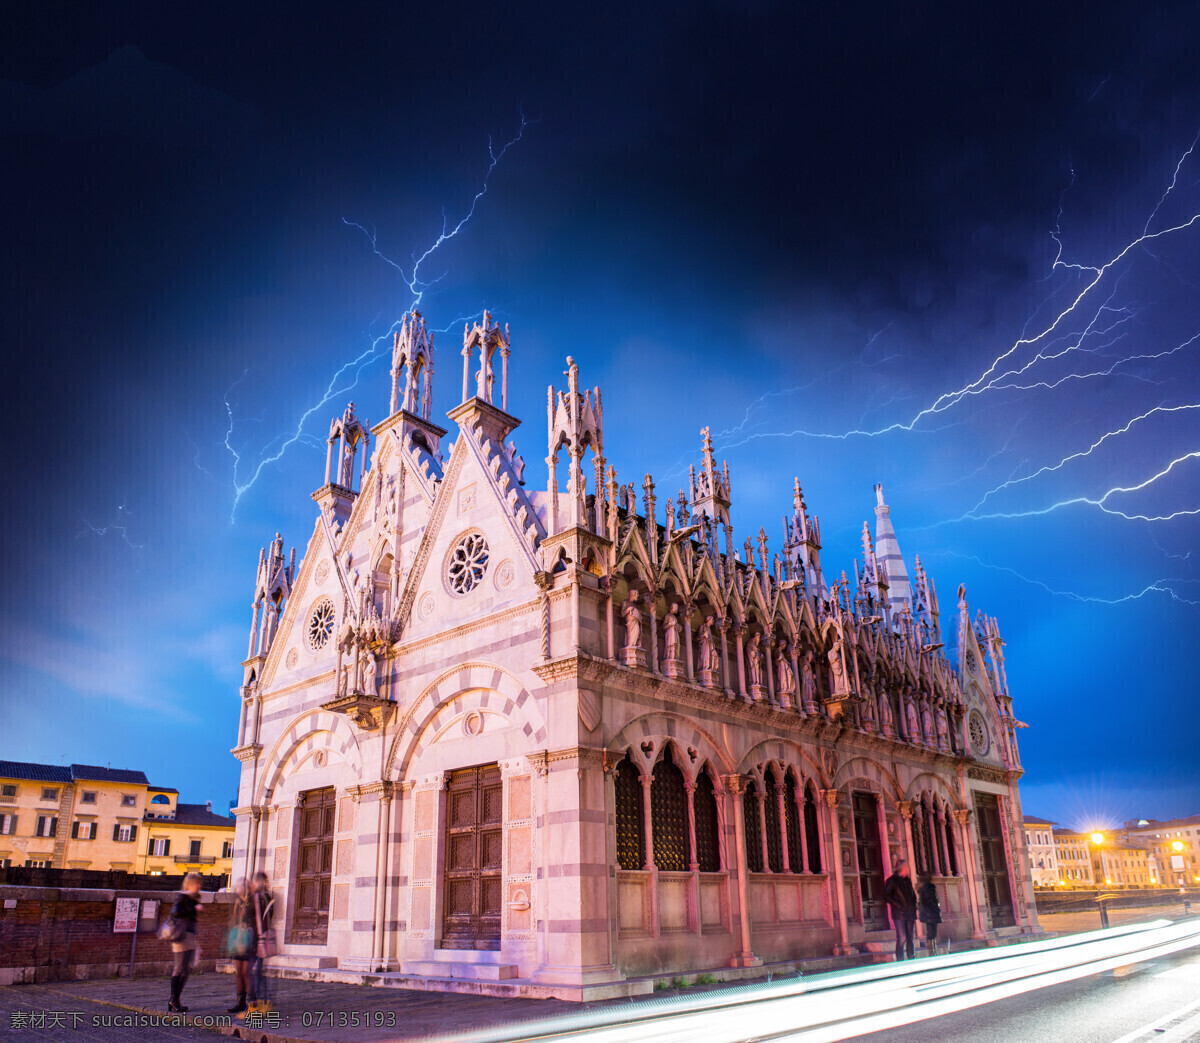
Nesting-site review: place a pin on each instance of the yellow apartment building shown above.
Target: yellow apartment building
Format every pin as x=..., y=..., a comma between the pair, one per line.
x=83, y=816
x=1074, y=858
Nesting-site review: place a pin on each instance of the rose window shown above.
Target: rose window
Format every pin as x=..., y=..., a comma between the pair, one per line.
x=467, y=564
x=979, y=734
x=320, y=624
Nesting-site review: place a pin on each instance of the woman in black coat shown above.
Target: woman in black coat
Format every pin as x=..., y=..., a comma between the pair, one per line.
x=929, y=912
x=187, y=905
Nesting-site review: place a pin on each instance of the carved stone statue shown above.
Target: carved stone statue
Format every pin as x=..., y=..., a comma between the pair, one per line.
x=912, y=724
x=927, y=731
x=754, y=660
x=837, y=668
x=369, y=668
x=633, y=653
x=943, y=731
x=887, y=719
x=671, y=632
x=808, y=684
x=783, y=671
x=867, y=711
x=709, y=664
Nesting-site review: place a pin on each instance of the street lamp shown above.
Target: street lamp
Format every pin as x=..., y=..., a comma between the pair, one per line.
x=1177, y=861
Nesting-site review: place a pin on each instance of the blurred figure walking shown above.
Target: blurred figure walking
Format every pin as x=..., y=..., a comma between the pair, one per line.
x=929, y=912
x=902, y=901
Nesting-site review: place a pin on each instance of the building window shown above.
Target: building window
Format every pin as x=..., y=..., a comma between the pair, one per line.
x=669, y=817
x=160, y=798
x=83, y=830
x=160, y=846
x=8, y=790
x=8, y=825
x=753, y=824
x=194, y=849
x=88, y=796
x=227, y=849
x=128, y=800
x=47, y=825
x=951, y=854
x=49, y=793
x=811, y=835
x=320, y=624
x=791, y=822
x=5, y=863
x=708, y=846
x=631, y=846
x=37, y=863
x=124, y=833
x=771, y=822
x=467, y=563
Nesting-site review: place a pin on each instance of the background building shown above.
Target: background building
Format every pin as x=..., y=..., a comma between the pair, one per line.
x=88, y=817
x=1115, y=864
x=1043, y=853
x=564, y=738
x=1073, y=855
x=1174, y=847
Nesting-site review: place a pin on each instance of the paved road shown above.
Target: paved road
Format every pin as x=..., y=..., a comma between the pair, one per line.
x=42, y=1012
x=1103, y=1008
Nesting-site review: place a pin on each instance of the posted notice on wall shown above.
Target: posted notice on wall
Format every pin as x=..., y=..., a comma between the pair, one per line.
x=126, y=919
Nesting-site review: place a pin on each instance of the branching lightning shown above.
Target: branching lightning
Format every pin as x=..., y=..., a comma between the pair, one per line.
x=347, y=375
x=119, y=527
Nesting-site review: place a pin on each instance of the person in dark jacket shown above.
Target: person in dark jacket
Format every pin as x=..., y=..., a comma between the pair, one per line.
x=263, y=910
x=185, y=909
x=242, y=943
x=929, y=912
x=902, y=901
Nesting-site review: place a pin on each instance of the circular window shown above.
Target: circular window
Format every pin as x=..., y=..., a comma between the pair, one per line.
x=467, y=563
x=320, y=624
x=976, y=725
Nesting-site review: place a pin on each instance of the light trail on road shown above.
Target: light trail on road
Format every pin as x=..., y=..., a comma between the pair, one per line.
x=850, y=1003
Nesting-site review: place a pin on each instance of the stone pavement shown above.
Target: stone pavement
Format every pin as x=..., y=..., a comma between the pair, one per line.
x=1089, y=919
x=308, y=1011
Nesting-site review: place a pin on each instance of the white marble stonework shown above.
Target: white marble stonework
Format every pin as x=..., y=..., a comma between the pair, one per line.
x=554, y=738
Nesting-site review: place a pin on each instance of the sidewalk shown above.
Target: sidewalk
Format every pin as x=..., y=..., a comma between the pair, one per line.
x=315, y=1012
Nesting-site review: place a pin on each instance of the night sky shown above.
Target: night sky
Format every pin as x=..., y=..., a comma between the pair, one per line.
x=813, y=228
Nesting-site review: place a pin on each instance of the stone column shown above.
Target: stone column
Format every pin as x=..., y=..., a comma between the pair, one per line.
x=254, y=611
x=647, y=822
x=803, y=830
x=689, y=655
x=1014, y=884
x=504, y=353
x=739, y=632
x=745, y=957
x=723, y=623
x=328, y=458
x=382, y=856
x=652, y=605
x=694, y=864
x=768, y=647
x=940, y=841
x=781, y=796
x=608, y=618
x=761, y=793
x=935, y=862
x=833, y=831
x=906, y=813
x=885, y=847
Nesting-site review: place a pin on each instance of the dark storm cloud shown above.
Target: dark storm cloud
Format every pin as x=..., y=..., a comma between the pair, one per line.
x=126, y=96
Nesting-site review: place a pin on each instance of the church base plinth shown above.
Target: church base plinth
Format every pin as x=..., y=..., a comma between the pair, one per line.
x=745, y=959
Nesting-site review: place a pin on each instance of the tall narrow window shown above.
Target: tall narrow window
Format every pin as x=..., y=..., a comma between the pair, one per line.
x=921, y=866
x=811, y=833
x=771, y=822
x=669, y=816
x=792, y=823
x=708, y=841
x=631, y=847
x=951, y=856
x=753, y=823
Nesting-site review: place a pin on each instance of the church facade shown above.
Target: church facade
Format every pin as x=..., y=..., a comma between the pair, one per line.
x=558, y=738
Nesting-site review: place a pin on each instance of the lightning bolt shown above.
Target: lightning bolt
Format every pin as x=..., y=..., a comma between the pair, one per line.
x=1161, y=586
x=337, y=384
x=118, y=527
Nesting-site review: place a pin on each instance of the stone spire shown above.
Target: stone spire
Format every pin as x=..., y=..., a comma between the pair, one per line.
x=887, y=552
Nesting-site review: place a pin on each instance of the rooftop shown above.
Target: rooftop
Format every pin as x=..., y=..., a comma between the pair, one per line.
x=94, y=773
x=201, y=815
x=34, y=772
x=1031, y=820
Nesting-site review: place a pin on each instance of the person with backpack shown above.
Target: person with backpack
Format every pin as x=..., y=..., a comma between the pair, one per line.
x=929, y=912
x=902, y=901
x=180, y=928
x=241, y=943
x=263, y=911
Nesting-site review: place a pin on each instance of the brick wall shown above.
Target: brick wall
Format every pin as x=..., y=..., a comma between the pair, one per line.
x=57, y=934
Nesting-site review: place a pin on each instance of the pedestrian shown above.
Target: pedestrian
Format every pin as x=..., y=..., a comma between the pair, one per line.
x=186, y=947
x=241, y=942
x=263, y=903
x=929, y=912
x=902, y=901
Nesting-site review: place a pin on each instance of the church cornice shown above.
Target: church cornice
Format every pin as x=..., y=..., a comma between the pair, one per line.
x=247, y=752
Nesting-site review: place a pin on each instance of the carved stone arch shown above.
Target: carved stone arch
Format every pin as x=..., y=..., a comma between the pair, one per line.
x=382, y=549
x=681, y=757
x=785, y=752
x=865, y=770
x=436, y=705
x=927, y=782
x=659, y=726
x=315, y=728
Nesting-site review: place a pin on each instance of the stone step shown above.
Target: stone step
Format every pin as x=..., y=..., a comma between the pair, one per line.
x=304, y=963
x=470, y=971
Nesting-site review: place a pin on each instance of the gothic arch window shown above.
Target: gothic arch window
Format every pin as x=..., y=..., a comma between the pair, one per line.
x=631, y=845
x=791, y=818
x=708, y=837
x=811, y=833
x=771, y=822
x=753, y=824
x=669, y=816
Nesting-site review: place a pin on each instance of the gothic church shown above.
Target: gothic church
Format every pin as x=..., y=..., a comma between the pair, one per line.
x=558, y=741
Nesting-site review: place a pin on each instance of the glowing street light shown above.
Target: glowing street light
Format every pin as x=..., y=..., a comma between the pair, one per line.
x=1177, y=861
x=1097, y=839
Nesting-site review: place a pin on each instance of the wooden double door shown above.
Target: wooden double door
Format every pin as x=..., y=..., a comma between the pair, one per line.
x=474, y=846
x=989, y=826
x=314, y=867
x=869, y=848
